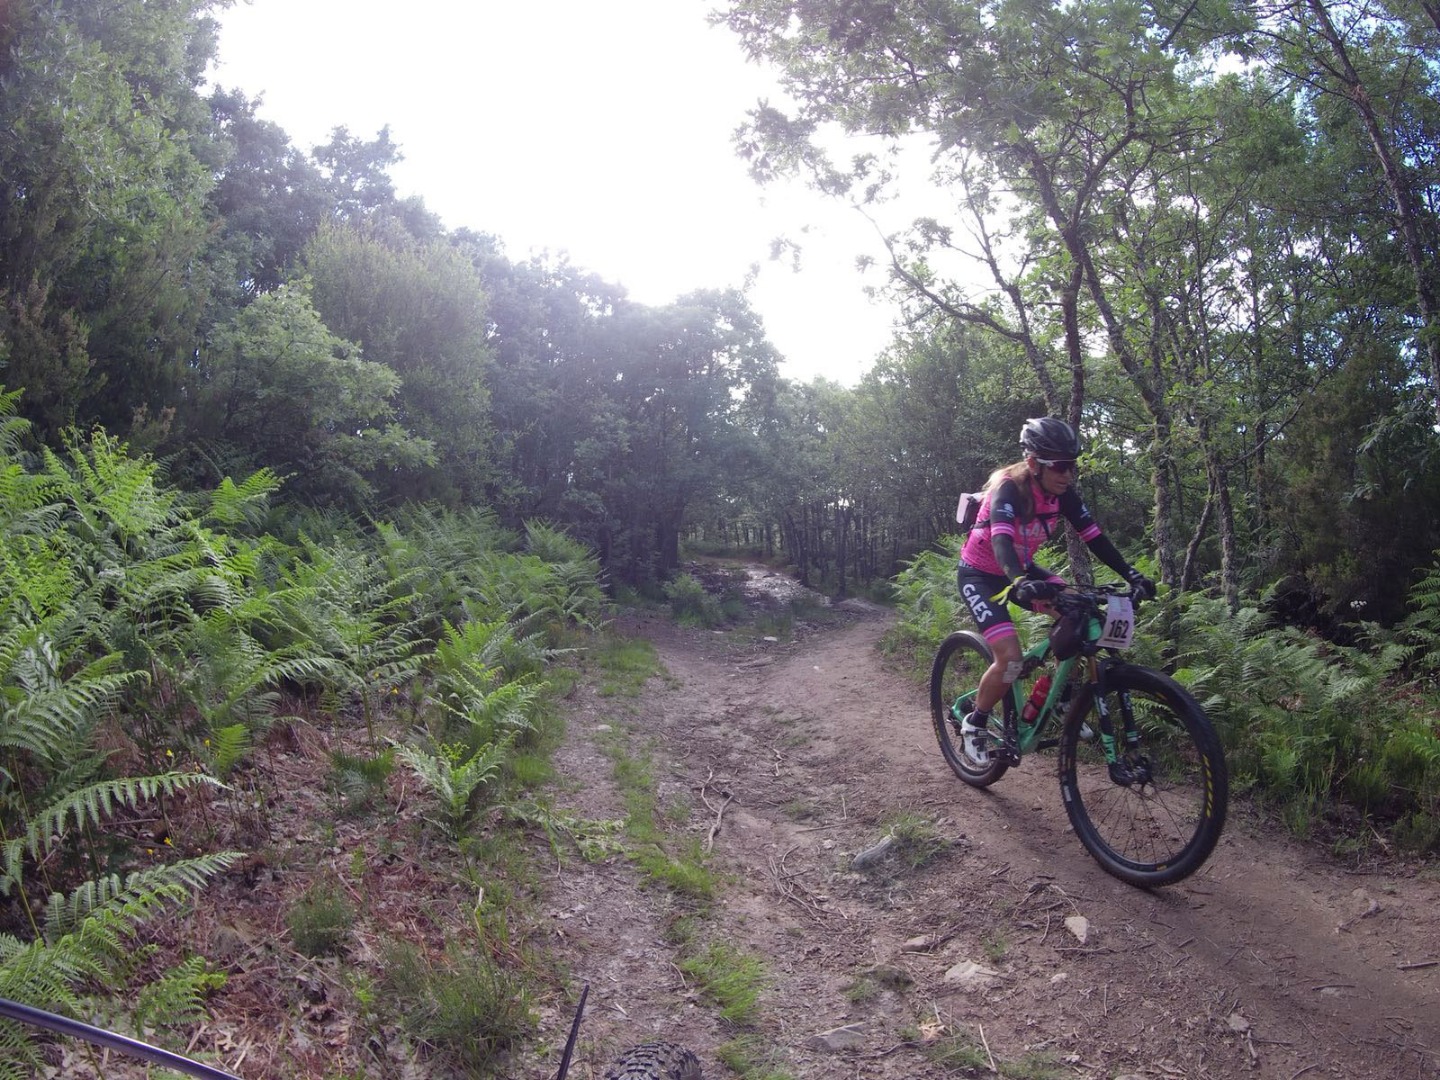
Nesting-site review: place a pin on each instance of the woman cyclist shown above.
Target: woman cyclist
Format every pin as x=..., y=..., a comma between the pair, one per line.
x=1022, y=506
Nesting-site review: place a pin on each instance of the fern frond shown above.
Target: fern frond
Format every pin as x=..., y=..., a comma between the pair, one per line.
x=228, y=746
x=130, y=901
x=455, y=775
x=245, y=503
x=177, y=997
x=98, y=801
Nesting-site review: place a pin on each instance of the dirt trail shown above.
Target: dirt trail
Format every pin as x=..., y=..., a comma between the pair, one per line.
x=1274, y=961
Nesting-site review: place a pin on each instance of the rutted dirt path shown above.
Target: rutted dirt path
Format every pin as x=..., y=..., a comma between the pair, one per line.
x=1274, y=961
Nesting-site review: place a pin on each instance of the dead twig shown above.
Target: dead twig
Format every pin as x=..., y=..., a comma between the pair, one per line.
x=986, y=1043
x=789, y=892
x=719, y=813
x=1417, y=965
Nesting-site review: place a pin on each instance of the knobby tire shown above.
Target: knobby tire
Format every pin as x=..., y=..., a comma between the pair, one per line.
x=1161, y=831
x=655, y=1061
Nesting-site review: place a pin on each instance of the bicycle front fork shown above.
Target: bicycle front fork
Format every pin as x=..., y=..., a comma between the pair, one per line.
x=1129, y=768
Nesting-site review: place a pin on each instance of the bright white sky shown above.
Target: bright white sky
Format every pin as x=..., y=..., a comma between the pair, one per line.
x=601, y=129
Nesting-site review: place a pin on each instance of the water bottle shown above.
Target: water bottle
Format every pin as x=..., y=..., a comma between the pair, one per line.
x=1037, y=699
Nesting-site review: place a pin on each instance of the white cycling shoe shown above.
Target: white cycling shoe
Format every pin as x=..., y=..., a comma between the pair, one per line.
x=975, y=739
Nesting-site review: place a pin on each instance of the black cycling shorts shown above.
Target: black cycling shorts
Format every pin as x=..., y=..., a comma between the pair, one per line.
x=984, y=595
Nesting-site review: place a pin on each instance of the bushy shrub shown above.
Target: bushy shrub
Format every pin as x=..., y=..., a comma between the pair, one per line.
x=690, y=604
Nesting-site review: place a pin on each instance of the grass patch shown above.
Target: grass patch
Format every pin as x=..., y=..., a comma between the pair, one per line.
x=752, y=1057
x=1035, y=1067
x=995, y=946
x=1417, y=833
x=680, y=867
x=863, y=989
x=636, y=777
x=732, y=979
x=917, y=842
x=625, y=665
x=320, y=920
x=957, y=1050
x=801, y=810
x=464, y=1008
x=685, y=874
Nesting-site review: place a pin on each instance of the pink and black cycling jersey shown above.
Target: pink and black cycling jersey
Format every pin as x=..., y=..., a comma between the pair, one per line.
x=998, y=516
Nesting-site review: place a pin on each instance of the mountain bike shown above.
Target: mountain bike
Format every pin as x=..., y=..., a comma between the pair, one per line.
x=1142, y=773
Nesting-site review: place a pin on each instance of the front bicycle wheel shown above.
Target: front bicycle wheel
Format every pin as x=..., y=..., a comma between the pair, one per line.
x=1154, y=816
x=655, y=1061
x=954, y=678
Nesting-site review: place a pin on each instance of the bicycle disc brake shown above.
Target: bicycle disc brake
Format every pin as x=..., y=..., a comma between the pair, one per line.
x=1133, y=770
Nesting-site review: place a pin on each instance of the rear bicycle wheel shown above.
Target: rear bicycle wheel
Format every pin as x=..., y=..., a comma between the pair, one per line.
x=1156, y=816
x=954, y=677
x=655, y=1061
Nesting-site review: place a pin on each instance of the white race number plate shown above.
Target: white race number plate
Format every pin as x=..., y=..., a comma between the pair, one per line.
x=1119, y=623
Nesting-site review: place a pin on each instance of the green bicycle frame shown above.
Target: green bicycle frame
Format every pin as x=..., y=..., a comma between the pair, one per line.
x=1028, y=735
x=1033, y=658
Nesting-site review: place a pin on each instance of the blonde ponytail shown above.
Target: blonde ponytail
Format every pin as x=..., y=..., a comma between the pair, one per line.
x=1020, y=473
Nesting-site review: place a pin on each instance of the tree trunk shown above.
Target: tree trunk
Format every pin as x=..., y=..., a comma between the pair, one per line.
x=1192, y=550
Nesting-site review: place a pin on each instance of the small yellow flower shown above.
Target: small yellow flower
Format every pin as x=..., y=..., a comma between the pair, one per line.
x=170, y=753
x=169, y=842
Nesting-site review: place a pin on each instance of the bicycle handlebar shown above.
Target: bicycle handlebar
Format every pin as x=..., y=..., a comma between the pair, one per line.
x=63, y=1025
x=1084, y=597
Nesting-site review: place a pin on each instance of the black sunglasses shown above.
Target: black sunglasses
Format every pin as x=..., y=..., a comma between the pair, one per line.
x=1063, y=465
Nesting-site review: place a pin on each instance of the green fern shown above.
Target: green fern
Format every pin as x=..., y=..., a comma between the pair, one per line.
x=89, y=942
x=177, y=998
x=90, y=805
x=927, y=600
x=1421, y=628
x=228, y=746
x=1411, y=757
x=246, y=503
x=135, y=898
x=455, y=775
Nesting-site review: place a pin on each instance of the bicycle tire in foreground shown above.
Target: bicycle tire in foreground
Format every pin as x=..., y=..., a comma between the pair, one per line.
x=1158, y=817
x=655, y=1061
